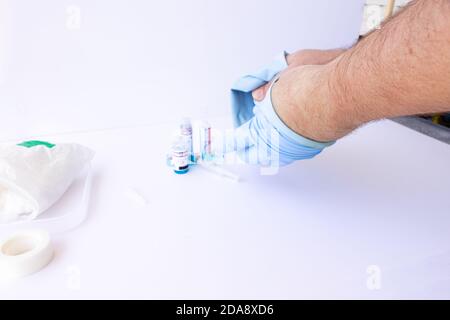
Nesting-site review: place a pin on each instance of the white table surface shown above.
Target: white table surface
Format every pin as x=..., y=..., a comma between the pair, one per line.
x=379, y=197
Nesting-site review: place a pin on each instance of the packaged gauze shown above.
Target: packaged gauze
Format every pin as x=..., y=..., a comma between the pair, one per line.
x=34, y=175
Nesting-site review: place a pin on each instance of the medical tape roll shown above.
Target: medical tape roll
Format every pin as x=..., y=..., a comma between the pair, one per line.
x=24, y=253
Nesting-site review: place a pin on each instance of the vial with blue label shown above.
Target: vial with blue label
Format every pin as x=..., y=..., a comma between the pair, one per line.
x=180, y=156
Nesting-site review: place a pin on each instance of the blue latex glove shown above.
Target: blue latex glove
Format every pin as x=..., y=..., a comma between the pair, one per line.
x=261, y=136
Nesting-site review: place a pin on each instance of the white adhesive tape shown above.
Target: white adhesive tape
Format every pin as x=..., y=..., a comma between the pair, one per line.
x=24, y=253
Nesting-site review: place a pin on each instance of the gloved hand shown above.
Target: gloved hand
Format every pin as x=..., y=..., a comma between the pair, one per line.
x=261, y=136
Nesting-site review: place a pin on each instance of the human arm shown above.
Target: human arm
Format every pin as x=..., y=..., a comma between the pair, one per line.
x=401, y=69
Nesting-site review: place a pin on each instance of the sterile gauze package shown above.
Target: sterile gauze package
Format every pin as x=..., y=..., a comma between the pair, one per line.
x=34, y=175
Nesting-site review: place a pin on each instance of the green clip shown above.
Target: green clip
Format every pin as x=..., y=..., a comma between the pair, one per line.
x=34, y=143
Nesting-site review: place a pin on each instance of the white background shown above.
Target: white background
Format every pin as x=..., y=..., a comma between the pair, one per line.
x=143, y=62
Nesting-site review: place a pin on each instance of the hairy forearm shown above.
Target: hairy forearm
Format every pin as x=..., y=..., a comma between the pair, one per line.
x=401, y=69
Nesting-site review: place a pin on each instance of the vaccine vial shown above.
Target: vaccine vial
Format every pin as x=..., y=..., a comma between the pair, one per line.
x=186, y=133
x=205, y=136
x=180, y=156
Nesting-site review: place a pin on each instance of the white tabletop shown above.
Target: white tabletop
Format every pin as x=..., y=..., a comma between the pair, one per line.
x=368, y=218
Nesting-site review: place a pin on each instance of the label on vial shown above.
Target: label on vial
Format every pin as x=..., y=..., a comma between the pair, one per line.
x=188, y=140
x=180, y=161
